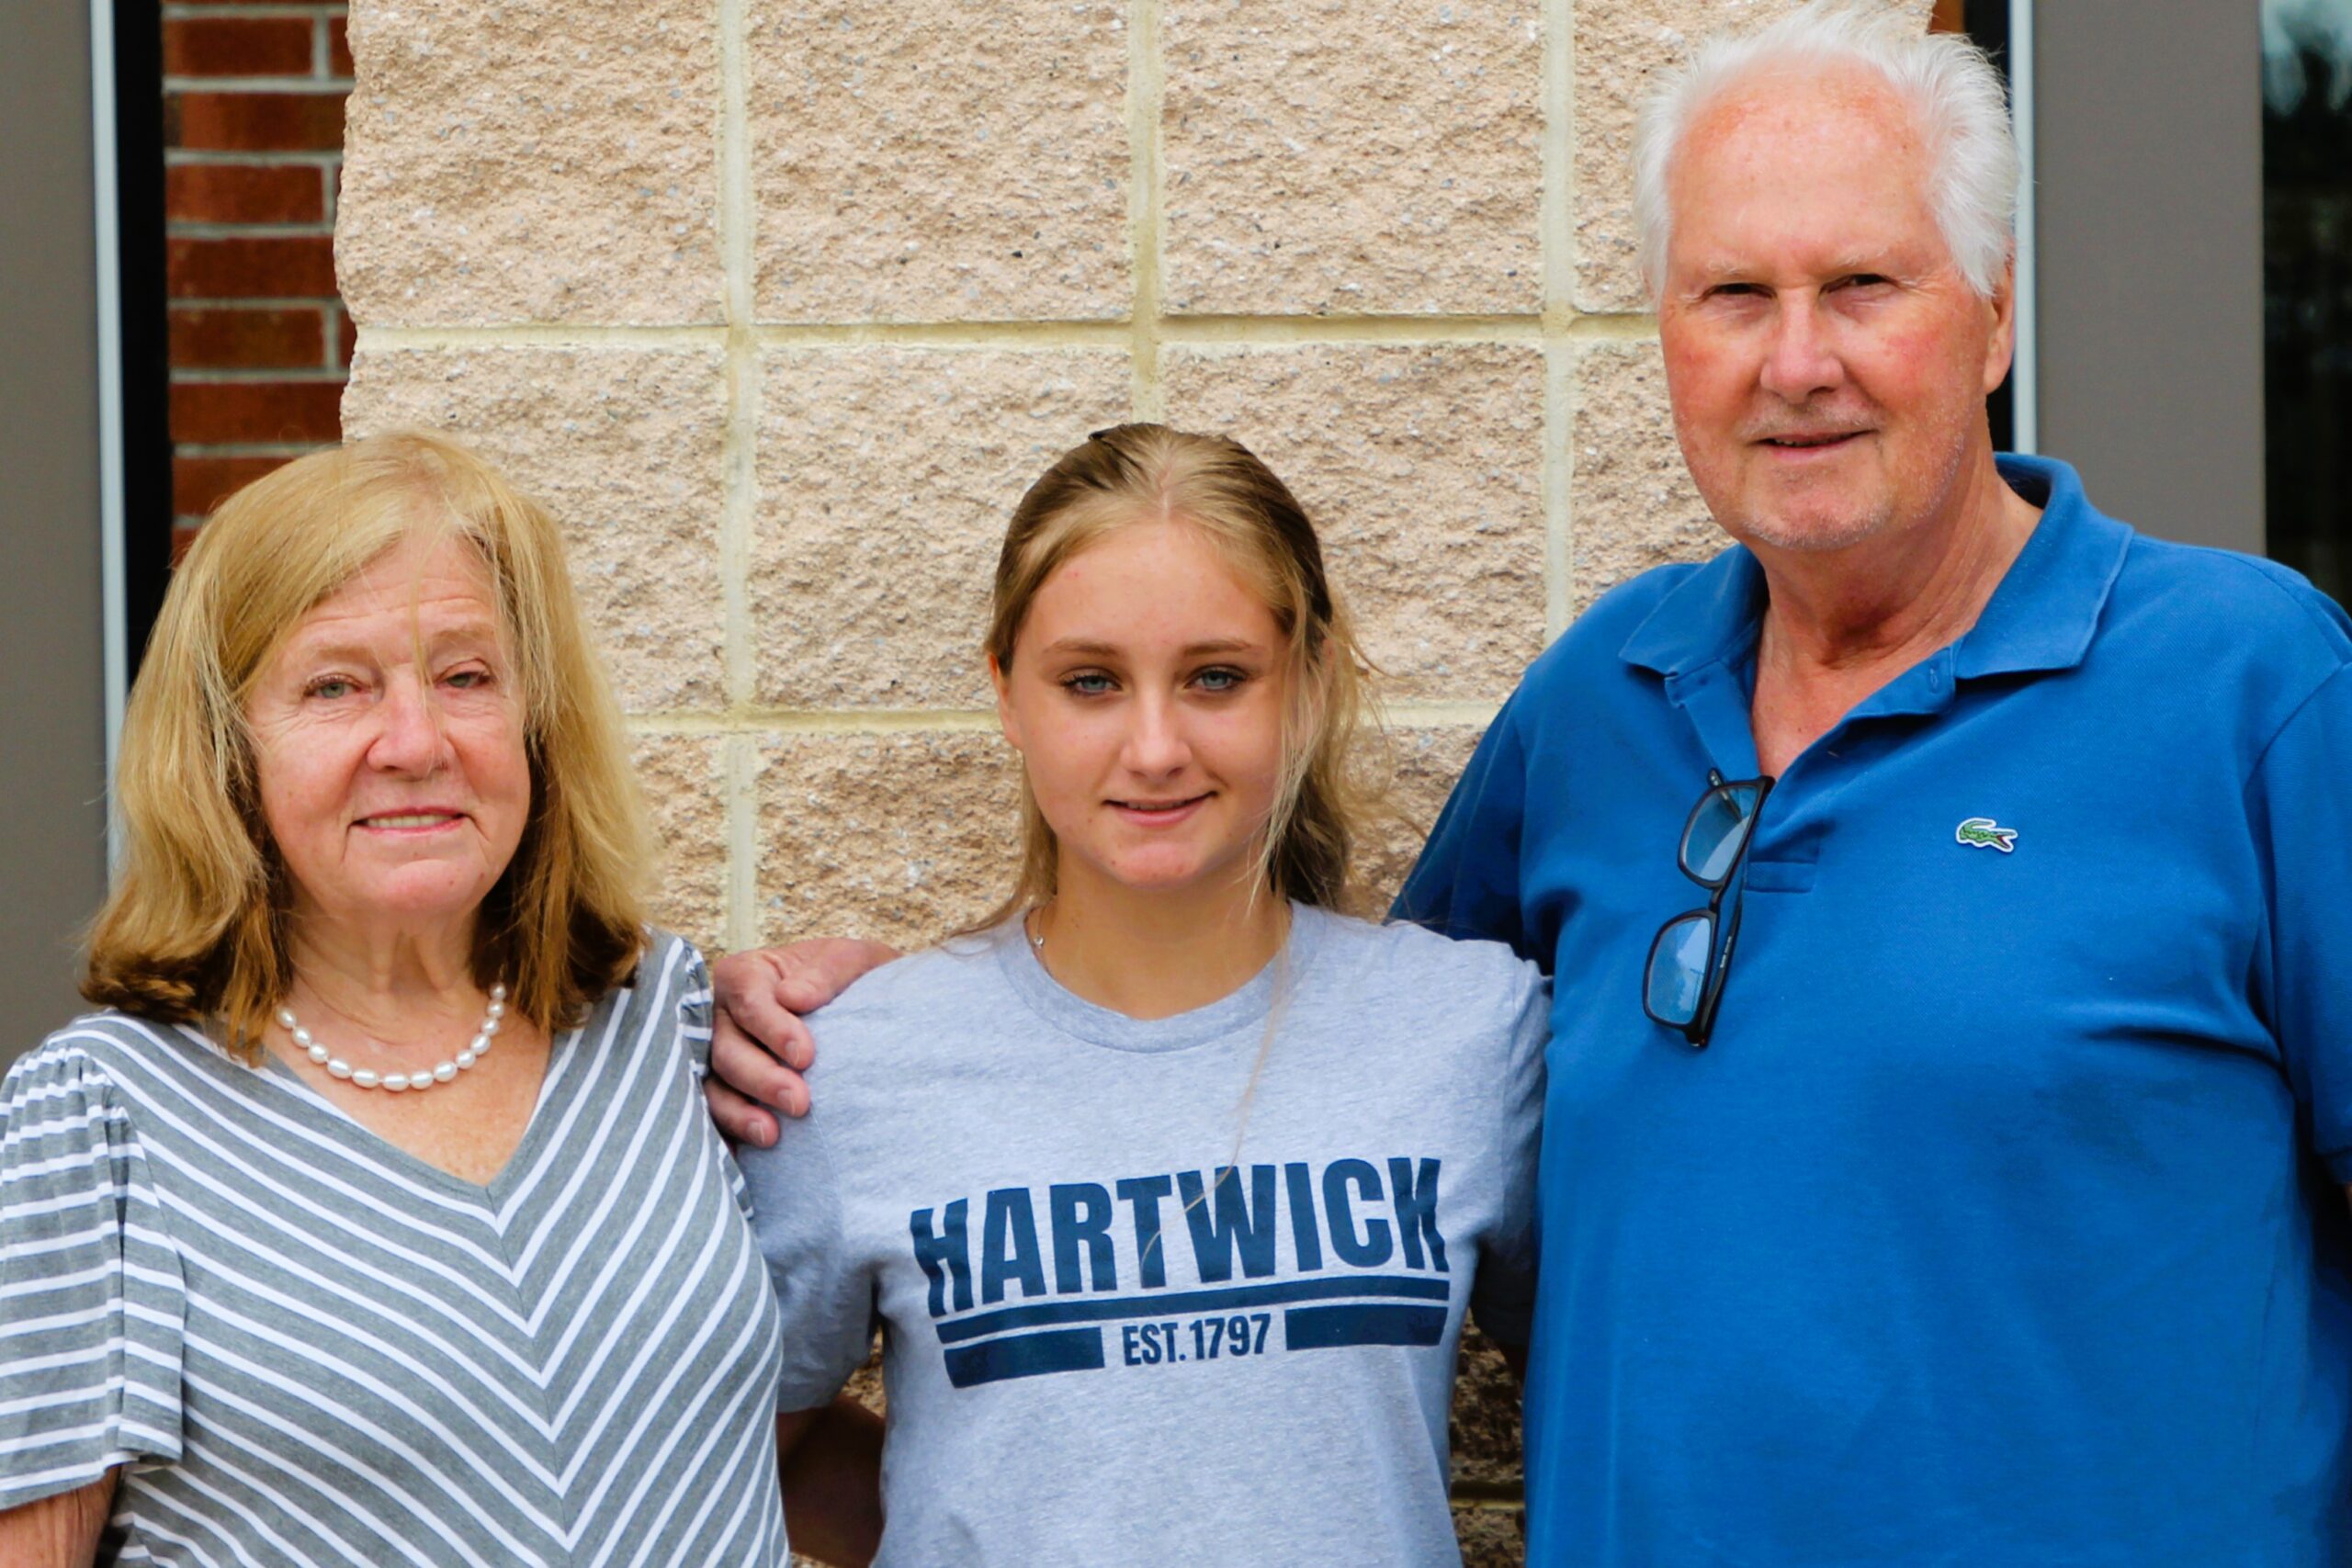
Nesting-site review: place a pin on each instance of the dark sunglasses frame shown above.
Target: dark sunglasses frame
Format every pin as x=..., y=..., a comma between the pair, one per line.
x=1722, y=934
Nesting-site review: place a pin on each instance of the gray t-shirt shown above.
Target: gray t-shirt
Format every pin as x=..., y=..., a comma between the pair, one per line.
x=1098, y=1350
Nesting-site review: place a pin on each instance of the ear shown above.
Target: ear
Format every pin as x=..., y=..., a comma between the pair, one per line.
x=2000, y=348
x=1005, y=718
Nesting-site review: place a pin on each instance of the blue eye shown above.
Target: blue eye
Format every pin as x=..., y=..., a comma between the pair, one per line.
x=1220, y=680
x=331, y=688
x=1088, y=683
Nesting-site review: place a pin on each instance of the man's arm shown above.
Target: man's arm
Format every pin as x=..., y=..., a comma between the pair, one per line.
x=759, y=1047
x=830, y=1462
x=58, y=1532
x=2295, y=803
x=1466, y=881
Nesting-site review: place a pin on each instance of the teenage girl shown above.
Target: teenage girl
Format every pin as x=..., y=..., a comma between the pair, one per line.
x=1171, y=1186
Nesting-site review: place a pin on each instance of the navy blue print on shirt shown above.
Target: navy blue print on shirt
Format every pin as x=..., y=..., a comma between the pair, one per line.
x=1365, y=1265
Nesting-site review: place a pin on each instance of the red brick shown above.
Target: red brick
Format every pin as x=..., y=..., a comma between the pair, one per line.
x=256, y=410
x=182, y=537
x=248, y=339
x=199, y=484
x=339, y=48
x=297, y=266
x=255, y=122
x=236, y=192
x=346, y=335
x=237, y=46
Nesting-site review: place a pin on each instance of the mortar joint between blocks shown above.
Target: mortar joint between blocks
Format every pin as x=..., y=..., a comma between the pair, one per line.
x=741, y=760
x=1147, y=94
x=1559, y=487
x=760, y=723
x=1206, y=332
x=1562, y=323
x=736, y=219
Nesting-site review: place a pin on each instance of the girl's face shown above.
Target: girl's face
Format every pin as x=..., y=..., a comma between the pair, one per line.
x=1146, y=695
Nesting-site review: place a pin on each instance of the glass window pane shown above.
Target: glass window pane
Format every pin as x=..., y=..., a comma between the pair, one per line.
x=2307, y=284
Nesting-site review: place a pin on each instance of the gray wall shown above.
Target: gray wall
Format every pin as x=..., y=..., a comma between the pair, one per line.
x=2148, y=131
x=52, y=757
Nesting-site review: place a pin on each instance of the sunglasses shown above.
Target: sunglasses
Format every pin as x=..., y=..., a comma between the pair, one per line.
x=1690, y=956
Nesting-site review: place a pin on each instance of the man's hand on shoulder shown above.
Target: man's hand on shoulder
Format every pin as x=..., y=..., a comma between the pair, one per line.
x=759, y=1047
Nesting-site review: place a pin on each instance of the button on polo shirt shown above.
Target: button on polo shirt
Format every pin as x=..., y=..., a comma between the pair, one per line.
x=2000, y=1222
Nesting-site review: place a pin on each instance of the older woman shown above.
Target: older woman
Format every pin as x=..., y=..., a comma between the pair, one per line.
x=375, y=1219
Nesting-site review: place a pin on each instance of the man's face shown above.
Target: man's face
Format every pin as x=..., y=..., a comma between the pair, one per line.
x=1827, y=360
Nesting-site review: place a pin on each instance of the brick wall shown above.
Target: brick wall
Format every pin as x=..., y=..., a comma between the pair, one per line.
x=253, y=131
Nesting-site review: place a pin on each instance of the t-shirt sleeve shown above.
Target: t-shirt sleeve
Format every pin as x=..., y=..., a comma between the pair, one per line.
x=91, y=1292
x=2298, y=802
x=1503, y=1298
x=824, y=1291
x=1465, y=882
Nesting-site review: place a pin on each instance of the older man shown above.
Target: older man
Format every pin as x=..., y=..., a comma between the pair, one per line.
x=1993, y=1222
x=1953, y=1177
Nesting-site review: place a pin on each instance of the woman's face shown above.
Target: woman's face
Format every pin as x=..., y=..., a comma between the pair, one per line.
x=1146, y=695
x=387, y=738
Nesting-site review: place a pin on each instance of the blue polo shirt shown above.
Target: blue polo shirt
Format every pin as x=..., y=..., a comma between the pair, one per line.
x=2001, y=1222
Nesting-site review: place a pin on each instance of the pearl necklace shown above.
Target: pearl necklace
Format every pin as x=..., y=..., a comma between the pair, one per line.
x=396, y=1083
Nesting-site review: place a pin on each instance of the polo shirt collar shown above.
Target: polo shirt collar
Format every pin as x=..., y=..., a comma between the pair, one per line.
x=2047, y=608
x=2041, y=617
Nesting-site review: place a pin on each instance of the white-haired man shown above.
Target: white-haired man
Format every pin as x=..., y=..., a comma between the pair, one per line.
x=1978, y=1204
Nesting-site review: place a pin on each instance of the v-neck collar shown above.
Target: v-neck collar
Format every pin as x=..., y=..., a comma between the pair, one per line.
x=367, y=1142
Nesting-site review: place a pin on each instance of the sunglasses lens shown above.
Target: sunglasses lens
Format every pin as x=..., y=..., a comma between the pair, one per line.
x=1717, y=829
x=1678, y=975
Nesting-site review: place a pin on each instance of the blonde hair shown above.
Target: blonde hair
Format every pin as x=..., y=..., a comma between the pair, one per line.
x=1134, y=474
x=196, y=928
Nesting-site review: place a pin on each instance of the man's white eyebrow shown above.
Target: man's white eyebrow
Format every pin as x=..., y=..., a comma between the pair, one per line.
x=1848, y=266
x=1717, y=271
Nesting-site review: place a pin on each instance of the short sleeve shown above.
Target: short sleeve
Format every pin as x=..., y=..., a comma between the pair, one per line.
x=91, y=1291
x=1465, y=882
x=1503, y=1298
x=690, y=995
x=693, y=995
x=2298, y=802
x=824, y=1291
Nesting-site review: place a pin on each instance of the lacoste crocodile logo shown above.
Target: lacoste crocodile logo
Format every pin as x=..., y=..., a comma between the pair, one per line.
x=1984, y=833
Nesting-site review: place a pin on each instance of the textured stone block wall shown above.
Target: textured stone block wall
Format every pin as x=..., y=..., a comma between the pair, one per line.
x=782, y=302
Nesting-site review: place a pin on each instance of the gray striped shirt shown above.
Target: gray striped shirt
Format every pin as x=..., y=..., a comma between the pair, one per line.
x=306, y=1346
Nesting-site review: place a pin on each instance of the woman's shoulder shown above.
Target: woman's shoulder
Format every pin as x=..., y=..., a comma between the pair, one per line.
x=1422, y=952
x=1391, y=965
x=923, y=987
x=668, y=962
x=667, y=998
x=85, y=1081
x=103, y=1046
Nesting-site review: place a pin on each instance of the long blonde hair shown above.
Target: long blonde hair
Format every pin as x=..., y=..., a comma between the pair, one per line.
x=196, y=926
x=1332, y=778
